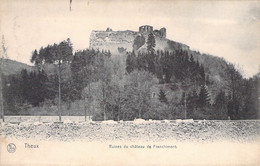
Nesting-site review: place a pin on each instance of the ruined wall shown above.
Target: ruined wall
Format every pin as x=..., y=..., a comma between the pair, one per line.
x=145, y=28
x=116, y=41
x=112, y=40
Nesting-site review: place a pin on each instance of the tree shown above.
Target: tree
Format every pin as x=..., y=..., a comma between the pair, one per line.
x=157, y=111
x=142, y=61
x=204, y=97
x=202, y=75
x=162, y=96
x=139, y=41
x=220, y=106
x=250, y=103
x=131, y=62
x=151, y=63
x=151, y=43
x=92, y=68
x=82, y=69
x=115, y=99
x=233, y=80
x=117, y=88
x=56, y=54
x=104, y=72
x=43, y=92
x=62, y=54
x=25, y=85
x=192, y=103
x=94, y=100
x=137, y=94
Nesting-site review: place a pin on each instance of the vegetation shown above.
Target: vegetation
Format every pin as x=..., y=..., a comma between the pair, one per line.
x=149, y=85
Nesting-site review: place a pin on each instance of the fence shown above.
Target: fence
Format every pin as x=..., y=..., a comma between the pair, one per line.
x=45, y=118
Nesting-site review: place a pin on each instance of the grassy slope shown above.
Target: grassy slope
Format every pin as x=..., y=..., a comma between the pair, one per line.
x=12, y=67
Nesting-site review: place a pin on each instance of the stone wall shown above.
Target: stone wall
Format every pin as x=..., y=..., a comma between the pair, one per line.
x=112, y=40
x=118, y=40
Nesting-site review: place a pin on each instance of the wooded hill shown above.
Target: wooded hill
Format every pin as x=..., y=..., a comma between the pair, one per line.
x=149, y=84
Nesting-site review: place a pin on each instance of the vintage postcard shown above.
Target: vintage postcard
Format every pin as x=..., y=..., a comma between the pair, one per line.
x=96, y=82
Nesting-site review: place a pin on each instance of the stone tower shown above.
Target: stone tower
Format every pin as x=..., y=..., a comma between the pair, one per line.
x=145, y=28
x=163, y=32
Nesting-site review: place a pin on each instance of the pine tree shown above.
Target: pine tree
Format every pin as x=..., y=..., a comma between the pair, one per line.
x=250, y=98
x=221, y=99
x=162, y=96
x=130, y=62
x=59, y=55
x=151, y=63
x=151, y=43
x=24, y=84
x=204, y=97
x=202, y=74
x=194, y=99
x=234, y=82
x=220, y=105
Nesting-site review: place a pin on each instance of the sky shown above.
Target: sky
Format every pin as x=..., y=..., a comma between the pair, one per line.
x=228, y=29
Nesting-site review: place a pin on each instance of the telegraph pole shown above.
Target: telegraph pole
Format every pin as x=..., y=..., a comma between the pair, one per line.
x=1, y=91
x=185, y=106
x=59, y=102
x=70, y=4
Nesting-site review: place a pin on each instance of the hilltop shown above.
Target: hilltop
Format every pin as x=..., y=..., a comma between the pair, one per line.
x=119, y=42
x=13, y=67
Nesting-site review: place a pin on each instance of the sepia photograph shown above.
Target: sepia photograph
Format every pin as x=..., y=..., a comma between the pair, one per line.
x=96, y=82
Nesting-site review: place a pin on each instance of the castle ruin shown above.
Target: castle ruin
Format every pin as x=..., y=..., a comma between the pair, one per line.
x=149, y=29
x=123, y=41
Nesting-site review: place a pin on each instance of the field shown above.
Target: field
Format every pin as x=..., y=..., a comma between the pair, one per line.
x=139, y=130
